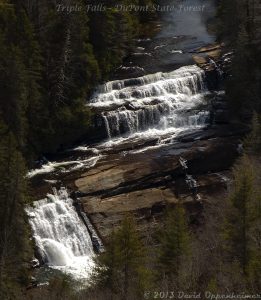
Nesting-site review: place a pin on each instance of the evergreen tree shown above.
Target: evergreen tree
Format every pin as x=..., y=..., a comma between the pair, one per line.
x=228, y=13
x=254, y=243
x=242, y=86
x=12, y=75
x=254, y=264
x=55, y=59
x=14, y=248
x=252, y=142
x=238, y=29
x=174, y=245
x=238, y=223
x=243, y=225
x=123, y=266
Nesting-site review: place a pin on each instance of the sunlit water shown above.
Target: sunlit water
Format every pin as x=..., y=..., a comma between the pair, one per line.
x=61, y=237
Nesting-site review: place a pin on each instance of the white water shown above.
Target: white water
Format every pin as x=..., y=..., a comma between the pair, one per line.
x=61, y=237
x=65, y=166
x=156, y=105
x=182, y=80
x=156, y=101
x=159, y=105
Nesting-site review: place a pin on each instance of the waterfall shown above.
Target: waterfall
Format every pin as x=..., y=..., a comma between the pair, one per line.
x=159, y=100
x=61, y=237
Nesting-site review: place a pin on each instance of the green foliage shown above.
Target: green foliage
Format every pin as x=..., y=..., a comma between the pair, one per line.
x=228, y=18
x=252, y=142
x=212, y=286
x=12, y=79
x=111, y=36
x=50, y=62
x=122, y=268
x=60, y=288
x=174, y=245
x=113, y=31
x=240, y=200
x=124, y=271
x=13, y=229
x=238, y=28
x=254, y=271
x=242, y=87
x=244, y=221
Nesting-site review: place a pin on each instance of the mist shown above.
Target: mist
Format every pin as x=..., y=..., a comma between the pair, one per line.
x=189, y=18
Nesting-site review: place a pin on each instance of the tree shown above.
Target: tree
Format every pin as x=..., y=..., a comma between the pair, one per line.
x=51, y=61
x=122, y=268
x=12, y=75
x=252, y=142
x=174, y=245
x=243, y=225
x=14, y=245
x=240, y=221
x=228, y=18
x=239, y=28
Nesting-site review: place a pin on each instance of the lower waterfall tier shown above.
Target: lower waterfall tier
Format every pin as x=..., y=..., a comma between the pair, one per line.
x=61, y=238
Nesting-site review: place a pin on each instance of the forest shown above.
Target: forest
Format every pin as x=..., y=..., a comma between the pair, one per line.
x=51, y=62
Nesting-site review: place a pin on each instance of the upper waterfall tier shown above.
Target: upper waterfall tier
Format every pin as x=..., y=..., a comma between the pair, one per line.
x=187, y=80
x=160, y=100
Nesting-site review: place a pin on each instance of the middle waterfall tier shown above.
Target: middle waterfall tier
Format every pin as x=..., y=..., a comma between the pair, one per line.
x=160, y=100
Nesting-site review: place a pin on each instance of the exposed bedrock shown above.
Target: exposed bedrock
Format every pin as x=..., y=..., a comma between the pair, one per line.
x=144, y=183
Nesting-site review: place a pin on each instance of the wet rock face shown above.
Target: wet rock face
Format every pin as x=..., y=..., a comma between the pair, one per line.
x=142, y=175
x=144, y=183
x=140, y=170
x=213, y=79
x=216, y=61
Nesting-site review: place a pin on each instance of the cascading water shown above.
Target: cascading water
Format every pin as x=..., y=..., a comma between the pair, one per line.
x=157, y=105
x=61, y=237
x=146, y=112
x=161, y=100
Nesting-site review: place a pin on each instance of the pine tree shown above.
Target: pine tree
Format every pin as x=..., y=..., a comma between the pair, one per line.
x=20, y=82
x=56, y=60
x=242, y=87
x=174, y=245
x=254, y=243
x=123, y=266
x=229, y=18
x=238, y=29
x=13, y=101
x=238, y=223
x=252, y=142
x=243, y=225
x=14, y=248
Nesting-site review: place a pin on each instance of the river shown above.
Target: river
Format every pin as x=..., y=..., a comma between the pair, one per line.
x=157, y=140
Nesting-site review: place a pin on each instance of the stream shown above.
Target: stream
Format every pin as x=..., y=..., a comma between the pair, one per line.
x=156, y=142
